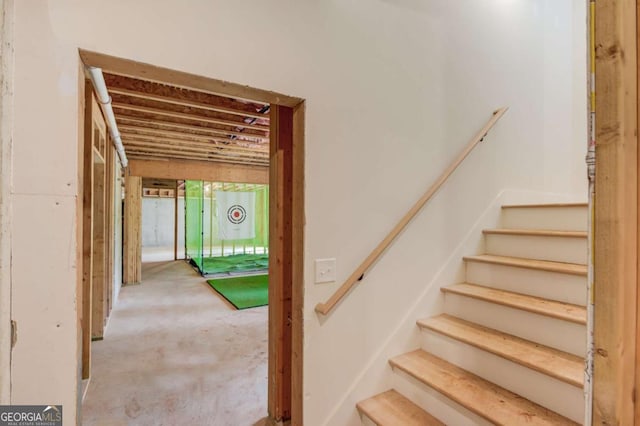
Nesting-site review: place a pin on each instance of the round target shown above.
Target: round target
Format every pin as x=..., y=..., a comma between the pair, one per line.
x=236, y=214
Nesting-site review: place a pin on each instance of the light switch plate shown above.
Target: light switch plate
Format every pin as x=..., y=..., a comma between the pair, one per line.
x=325, y=270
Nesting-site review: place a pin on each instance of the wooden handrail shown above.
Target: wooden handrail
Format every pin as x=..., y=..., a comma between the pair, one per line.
x=358, y=274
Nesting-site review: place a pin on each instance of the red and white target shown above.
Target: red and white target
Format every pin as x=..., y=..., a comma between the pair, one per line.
x=236, y=214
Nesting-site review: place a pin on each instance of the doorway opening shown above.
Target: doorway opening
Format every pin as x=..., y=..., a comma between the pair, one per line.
x=181, y=127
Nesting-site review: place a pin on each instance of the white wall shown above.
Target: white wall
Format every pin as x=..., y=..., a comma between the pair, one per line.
x=394, y=88
x=157, y=221
x=158, y=228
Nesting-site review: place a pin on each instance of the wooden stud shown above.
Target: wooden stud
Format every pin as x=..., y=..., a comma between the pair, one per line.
x=297, y=264
x=199, y=170
x=83, y=362
x=87, y=230
x=98, y=313
x=616, y=207
x=132, y=241
x=280, y=266
x=175, y=222
x=110, y=224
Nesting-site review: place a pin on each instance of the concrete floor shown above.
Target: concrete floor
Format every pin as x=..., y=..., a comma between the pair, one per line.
x=176, y=353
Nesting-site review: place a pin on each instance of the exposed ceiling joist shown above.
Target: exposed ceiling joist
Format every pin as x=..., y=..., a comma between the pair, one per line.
x=205, y=147
x=187, y=103
x=192, y=117
x=178, y=136
x=185, y=128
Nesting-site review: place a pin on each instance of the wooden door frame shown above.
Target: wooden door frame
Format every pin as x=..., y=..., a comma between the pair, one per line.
x=287, y=167
x=616, y=296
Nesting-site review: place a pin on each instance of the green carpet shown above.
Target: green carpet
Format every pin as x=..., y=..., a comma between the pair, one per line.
x=235, y=263
x=243, y=292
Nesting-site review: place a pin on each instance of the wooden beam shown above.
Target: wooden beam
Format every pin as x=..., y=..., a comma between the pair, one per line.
x=616, y=206
x=280, y=264
x=110, y=224
x=164, y=104
x=181, y=136
x=199, y=170
x=187, y=102
x=98, y=292
x=130, y=68
x=297, y=265
x=213, y=146
x=87, y=230
x=185, y=128
x=192, y=117
x=175, y=222
x=141, y=153
x=132, y=240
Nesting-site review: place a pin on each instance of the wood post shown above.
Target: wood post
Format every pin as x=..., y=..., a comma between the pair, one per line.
x=616, y=207
x=87, y=232
x=280, y=182
x=175, y=222
x=132, y=241
x=98, y=292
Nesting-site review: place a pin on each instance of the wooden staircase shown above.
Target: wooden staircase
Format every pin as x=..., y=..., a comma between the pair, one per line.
x=510, y=347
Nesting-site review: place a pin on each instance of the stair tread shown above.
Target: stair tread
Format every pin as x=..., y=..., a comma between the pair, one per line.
x=390, y=408
x=544, y=205
x=537, y=305
x=536, y=232
x=545, y=265
x=563, y=366
x=484, y=398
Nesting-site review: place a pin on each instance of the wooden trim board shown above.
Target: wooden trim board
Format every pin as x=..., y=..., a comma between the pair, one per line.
x=616, y=206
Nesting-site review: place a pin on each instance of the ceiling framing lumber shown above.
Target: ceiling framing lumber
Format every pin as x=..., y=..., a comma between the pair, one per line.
x=185, y=128
x=198, y=170
x=161, y=119
x=183, y=116
x=212, y=149
x=142, y=153
x=177, y=136
x=231, y=119
x=186, y=103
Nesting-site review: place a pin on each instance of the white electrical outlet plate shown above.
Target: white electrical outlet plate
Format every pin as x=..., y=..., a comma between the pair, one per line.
x=325, y=270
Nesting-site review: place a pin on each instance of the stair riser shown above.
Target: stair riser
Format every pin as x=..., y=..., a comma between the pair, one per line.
x=559, y=334
x=549, y=285
x=540, y=388
x=557, y=249
x=434, y=402
x=366, y=421
x=550, y=218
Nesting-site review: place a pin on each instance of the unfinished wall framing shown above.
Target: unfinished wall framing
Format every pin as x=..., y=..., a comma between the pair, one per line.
x=286, y=164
